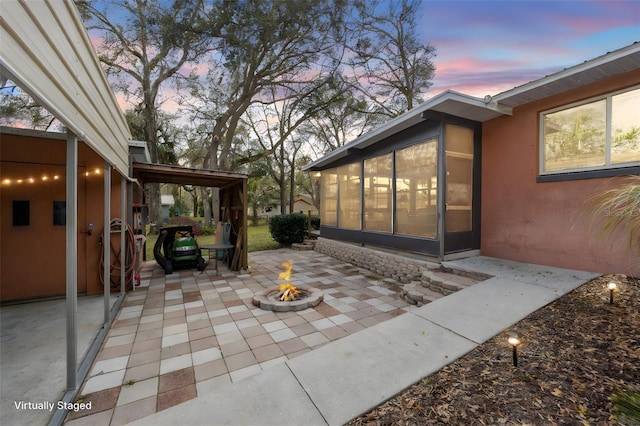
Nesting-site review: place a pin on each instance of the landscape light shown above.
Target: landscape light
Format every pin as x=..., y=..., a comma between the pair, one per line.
x=611, y=286
x=514, y=341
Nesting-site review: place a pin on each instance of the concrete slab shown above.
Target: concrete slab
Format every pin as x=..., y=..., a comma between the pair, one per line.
x=273, y=397
x=33, y=357
x=356, y=373
x=563, y=280
x=485, y=309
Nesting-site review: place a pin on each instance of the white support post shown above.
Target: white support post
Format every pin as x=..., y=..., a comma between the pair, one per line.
x=106, y=257
x=123, y=236
x=71, y=253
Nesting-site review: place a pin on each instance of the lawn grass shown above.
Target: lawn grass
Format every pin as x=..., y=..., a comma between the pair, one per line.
x=258, y=238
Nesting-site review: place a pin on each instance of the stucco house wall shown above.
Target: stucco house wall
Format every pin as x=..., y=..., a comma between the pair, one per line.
x=32, y=258
x=548, y=222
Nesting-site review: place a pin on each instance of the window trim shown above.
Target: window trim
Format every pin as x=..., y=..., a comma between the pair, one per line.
x=592, y=171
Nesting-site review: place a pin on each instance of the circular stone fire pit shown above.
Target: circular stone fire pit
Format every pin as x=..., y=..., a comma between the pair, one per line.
x=268, y=300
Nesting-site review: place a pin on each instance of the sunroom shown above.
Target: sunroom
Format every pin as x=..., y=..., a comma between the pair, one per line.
x=413, y=184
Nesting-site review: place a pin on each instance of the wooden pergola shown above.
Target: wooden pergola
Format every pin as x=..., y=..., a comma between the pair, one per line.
x=233, y=195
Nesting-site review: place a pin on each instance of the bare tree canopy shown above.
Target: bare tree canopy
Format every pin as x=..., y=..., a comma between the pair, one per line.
x=391, y=65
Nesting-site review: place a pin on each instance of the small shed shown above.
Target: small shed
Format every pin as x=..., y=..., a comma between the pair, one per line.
x=233, y=195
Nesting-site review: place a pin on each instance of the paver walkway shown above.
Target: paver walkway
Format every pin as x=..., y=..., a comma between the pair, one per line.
x=189, y=333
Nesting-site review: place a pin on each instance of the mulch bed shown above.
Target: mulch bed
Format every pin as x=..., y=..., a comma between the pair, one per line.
x=575, y=354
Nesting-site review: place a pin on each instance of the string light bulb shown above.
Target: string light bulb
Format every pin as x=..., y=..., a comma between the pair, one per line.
x=89, y=172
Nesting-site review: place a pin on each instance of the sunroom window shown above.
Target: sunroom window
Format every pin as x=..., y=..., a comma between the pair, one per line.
x=597, y=134
x=377, y=192
x=417, y=190
x=329, y=197
x=349, y=196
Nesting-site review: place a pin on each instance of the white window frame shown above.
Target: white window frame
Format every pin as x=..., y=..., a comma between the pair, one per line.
x=607, y=166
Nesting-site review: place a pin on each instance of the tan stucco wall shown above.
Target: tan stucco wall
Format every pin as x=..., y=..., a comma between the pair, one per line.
x=544, y=223
x=32, y=258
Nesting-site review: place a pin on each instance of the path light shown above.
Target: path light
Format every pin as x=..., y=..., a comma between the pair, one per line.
x=514, y=341
x=611, y=286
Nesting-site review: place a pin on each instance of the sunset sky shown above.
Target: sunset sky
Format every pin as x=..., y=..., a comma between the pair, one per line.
x=487, y=47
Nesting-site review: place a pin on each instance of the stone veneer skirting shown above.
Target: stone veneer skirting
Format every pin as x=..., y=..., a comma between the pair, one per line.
x=400, y=268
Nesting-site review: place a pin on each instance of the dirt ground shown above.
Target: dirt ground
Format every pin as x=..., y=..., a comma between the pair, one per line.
x=575, y=354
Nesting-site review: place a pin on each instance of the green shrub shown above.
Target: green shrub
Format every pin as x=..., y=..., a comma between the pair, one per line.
x=315, y=222
x=288, y=228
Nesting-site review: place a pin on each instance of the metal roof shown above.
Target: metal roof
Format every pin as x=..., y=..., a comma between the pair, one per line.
x=45, y=49
x=481, y=110
x=608, y=65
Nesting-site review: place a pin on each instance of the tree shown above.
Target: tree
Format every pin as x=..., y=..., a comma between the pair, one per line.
x=17, y=107
x=344, y=114
x=391, y=66
x=260, y=196
x=267, y=50
x=144, y=44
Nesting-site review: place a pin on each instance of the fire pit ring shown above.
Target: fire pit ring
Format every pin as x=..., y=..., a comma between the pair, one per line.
x=268, y=300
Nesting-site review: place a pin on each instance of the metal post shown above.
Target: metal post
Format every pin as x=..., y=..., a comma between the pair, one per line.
x=106, y=252
x=72, y=252
x=123, y=235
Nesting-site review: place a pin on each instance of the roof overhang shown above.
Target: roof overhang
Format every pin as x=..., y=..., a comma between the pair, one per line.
x=163, y=173
x=448, y=102
x=46, y=51
x=609, y=65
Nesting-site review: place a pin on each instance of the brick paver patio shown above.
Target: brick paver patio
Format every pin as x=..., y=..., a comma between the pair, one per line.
x=185, y=334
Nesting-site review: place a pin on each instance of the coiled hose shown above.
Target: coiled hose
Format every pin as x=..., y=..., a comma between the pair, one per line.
x=115, y=267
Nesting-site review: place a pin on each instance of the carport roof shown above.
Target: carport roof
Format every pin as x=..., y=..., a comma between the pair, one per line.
x=46, y=50
x=163, y=173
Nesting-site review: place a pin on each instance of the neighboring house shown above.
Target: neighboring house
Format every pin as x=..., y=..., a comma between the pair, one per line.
x=505, y=176
x=304, y=204
x=167, y=202
x=301, y=204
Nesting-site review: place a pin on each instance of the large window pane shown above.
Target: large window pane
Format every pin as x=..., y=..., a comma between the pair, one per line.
x=625, y=127
x=575, y=138
x=377, y=193
x=329, y=197
x=349, y=196
x=416, y=190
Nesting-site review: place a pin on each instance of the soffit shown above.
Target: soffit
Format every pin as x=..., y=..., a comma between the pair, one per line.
x=46, y=51
x=609, y=65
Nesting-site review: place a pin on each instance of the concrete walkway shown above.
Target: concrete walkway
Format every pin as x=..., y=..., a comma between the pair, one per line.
x=343, y=379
